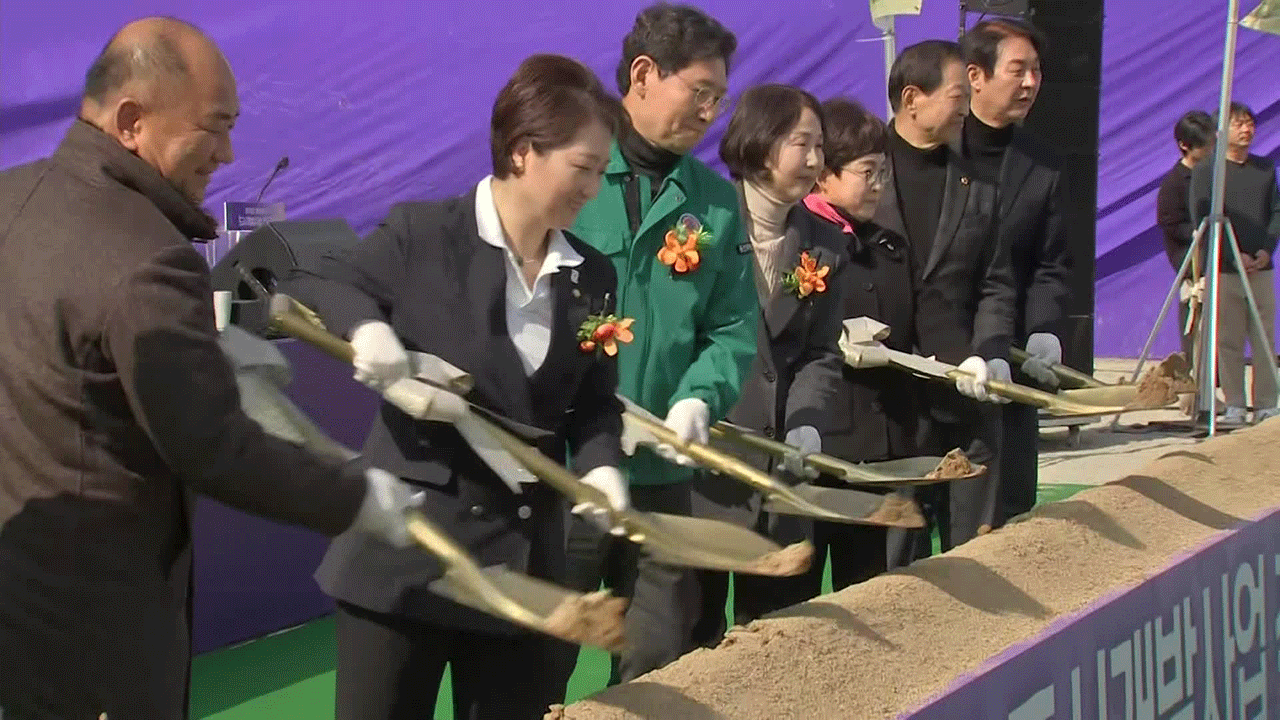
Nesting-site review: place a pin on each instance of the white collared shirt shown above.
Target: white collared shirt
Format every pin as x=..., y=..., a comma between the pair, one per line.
x=529, y=309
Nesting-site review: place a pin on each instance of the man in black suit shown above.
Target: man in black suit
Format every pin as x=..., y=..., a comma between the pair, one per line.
x=1003, y=57
x=964, y=306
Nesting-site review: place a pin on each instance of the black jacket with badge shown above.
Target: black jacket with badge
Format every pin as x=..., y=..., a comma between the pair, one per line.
x=795, y=378
x=427, y=272
x=876, y=413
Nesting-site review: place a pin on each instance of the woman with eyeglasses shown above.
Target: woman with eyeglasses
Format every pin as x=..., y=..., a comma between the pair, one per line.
x=876, y=415
x=773, y=148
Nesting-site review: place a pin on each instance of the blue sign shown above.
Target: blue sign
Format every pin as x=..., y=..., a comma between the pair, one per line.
x=1198, y=641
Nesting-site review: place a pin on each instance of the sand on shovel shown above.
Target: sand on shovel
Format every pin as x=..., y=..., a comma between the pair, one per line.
x=790, y=560
x=954, y=465
x=897, y=511
x=593, y=619
x=880, y=648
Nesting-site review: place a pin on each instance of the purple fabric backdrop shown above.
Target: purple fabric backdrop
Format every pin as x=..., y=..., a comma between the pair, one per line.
x=390, y=101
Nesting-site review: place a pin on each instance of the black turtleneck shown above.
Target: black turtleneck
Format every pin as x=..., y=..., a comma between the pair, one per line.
x=920, y=177
x=646, y=159
x=985, y=146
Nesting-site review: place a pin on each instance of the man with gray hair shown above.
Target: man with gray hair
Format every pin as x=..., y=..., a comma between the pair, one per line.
x=116, y=401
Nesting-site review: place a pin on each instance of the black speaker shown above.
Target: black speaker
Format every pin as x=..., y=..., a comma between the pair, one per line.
x=269, y=255
x=1065, y=116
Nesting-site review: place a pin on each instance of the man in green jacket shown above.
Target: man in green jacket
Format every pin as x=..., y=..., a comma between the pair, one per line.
x=671, y=226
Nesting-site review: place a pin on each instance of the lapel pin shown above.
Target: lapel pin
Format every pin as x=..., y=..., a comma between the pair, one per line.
x=964, y=181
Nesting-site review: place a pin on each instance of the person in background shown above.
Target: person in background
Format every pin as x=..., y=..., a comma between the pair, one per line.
x=491, y=283
x=117, y=404
x=773, y=148
x=1252, y=206
x=671, y=227
x=1003, y=66
x=876, y=413
x=965, y=293
x=1194, y=134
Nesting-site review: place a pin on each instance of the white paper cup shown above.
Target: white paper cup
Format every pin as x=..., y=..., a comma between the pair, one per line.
x=222, y=309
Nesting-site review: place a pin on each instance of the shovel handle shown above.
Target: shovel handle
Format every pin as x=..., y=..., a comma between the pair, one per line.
x=1070, y=377
x=818, y=461
x=286, y=318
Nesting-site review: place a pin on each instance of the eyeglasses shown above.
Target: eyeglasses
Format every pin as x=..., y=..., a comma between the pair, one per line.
x=879, y=176
x=704, y=96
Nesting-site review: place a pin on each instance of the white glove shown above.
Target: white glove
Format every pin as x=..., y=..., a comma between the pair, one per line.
x=977, y=372
x=1045, y=350
x=380, y=359
x=1189, y=290
x=382, y=514
x=805, y=440
x=608, y=480
x=688, y=419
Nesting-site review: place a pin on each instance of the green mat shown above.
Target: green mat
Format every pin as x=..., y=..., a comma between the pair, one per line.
x=290, y=674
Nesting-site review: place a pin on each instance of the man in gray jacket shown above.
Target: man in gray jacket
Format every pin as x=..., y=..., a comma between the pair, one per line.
x=116, y=401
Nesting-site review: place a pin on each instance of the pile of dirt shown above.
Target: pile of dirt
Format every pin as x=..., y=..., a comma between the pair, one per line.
x=886, y=646
x=1161, y=385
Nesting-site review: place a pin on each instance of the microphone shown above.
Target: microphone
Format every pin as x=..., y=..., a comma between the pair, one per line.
x=284, y=163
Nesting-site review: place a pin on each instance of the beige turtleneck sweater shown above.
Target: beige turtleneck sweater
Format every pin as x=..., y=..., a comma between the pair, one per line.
x=766, y=219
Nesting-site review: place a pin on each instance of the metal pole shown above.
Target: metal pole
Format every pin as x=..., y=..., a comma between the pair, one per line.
x=1208, y=388
x=890, y=28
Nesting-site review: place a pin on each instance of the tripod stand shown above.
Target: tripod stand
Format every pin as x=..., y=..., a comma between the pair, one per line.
x=1219, y=229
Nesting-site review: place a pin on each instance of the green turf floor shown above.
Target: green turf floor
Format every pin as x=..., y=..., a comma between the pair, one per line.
x=290, y=674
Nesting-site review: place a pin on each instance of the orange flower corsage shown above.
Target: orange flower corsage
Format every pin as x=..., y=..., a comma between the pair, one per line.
x=681, y=248
x=807, y=278
x=603, y=333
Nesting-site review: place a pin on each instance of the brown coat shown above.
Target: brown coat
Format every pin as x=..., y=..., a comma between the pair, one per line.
x=116, y=404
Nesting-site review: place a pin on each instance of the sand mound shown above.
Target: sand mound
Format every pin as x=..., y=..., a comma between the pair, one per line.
x=884, y=647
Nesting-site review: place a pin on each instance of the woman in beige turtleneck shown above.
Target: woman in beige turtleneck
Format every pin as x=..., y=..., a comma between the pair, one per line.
x=773, y=148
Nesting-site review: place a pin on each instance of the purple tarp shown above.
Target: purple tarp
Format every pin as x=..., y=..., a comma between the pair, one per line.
x=385, y=101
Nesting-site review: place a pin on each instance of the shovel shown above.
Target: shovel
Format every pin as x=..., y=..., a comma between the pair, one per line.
x=1069, y=377
x=673, y=539
x=584, y=619
x=862, y=348
x=1092, y=391
x=831, y=504
x=904, y=471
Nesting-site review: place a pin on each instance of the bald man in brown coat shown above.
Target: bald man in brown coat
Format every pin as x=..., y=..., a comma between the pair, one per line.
x=116, y=402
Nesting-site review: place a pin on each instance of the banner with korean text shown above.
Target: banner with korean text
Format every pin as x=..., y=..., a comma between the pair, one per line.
x=1199, y=641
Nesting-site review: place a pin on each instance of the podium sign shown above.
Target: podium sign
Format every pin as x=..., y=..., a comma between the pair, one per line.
x=249, y=216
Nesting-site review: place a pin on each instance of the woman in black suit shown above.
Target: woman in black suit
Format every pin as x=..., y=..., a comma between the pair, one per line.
x=774, y=150
x=877, y=412
x=491, y=283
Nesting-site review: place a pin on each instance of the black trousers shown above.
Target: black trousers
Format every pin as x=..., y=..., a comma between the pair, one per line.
x=1019, y=460
x=961, y=509
x=857, y=553
x=663, y=598
x=390, y=667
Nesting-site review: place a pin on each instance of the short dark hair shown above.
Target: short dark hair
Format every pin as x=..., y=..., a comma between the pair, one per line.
x=764, y=115
x=981, y=45
x=851, y=132
x=545, y=103
x=1239, y=109
x=1195, y=130
x=675, y=37
x=921, y=65
x=119, y=64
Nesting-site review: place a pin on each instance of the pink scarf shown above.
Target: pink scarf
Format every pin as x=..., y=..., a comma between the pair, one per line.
x=825, y=210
